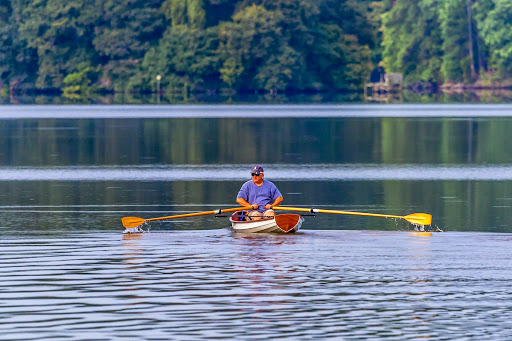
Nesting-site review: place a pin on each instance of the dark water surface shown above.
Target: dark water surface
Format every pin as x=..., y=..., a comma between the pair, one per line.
x=68, y=174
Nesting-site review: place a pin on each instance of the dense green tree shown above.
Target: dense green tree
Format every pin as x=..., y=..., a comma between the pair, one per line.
x=294, y=31
x=340, y=61
x=494, y=25
x=123, y=33
x=185, y=12
x=249, y=45
x=438, y=40
x=352, y=16
x=479, y=12
x=55, y=30
x=412, y=40
x=18, y=62
x=456, y=61
x=184, y=56
x=245, y=44
x=218, y=11
x=298, y=22
x=375, y=11
x=302, y=52
x=111, y=34
x=81, y=82
x=252, y=46
x=344, y=41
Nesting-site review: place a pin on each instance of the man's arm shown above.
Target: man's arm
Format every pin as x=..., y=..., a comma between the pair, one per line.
x=243, y=202
x=242, y=194
x=277, y=202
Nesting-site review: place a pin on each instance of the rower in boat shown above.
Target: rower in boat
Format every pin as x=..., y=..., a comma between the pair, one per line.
x=260, y=194
x=260, y=197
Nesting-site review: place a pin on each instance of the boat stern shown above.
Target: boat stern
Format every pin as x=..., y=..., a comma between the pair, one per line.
x=289, y=222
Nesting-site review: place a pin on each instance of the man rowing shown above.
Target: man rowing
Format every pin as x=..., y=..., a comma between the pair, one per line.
x=259, y=193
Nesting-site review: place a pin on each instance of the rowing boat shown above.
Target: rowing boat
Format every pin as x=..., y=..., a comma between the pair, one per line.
x=282, y=223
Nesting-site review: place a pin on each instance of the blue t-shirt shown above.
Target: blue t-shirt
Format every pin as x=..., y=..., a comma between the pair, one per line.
x=261, y=195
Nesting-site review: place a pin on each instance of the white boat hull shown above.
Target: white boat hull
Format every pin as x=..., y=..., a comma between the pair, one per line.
x=282, y=223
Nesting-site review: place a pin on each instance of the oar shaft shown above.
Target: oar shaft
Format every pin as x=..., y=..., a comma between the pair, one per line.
x=360, y=213
x=201, y=213
x=317, y=210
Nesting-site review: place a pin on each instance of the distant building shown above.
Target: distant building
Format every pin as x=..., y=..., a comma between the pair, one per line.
x=384, y=87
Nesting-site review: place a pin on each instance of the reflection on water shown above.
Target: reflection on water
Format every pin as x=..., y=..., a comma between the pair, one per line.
x=466, y=96
x=54, y=205
x=309, y=140
x=216, y=284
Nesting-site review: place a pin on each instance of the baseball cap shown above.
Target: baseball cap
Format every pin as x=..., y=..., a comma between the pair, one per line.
x=257, y=170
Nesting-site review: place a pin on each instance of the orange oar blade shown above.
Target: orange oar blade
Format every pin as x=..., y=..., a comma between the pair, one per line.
x=129, y=222
x=419, y=218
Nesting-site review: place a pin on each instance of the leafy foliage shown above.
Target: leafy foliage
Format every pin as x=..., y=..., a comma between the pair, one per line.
x=495, y=30
x=249, y=45
x=18, y=61
x=122, y=36
x=184, y=55
x=412, y=40
x=454, y=31
x=53, y=28
x=253, y=45
x=246, y=45
x=82, y=80
x=448, y=41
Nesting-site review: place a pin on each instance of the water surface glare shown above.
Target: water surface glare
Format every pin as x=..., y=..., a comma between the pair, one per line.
x=304, y=172
x=215, y=284
x=10, y=112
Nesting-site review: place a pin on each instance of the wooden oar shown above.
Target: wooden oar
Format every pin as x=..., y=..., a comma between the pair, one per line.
x=415, y=218
x=130, y=222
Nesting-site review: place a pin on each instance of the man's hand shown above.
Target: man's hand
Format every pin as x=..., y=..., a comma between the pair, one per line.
x=268, y=206
x=255, y=206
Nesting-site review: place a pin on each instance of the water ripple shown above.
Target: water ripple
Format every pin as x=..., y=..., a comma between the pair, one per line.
x=215, y=284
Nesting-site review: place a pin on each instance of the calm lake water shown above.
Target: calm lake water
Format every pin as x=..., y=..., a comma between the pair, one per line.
x=68, y=174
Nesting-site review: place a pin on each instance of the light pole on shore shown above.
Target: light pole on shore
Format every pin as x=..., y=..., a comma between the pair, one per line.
x=158, y=78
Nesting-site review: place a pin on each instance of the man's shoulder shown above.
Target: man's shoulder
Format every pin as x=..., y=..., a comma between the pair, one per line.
x=267, y=181
x=247, y=184
x=245, y=190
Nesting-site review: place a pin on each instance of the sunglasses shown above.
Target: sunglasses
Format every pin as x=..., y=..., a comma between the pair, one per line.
x=254, y=174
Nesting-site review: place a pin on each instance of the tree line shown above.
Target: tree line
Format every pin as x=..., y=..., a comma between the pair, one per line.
x=448, y=41
x=84, y=46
